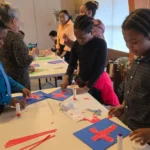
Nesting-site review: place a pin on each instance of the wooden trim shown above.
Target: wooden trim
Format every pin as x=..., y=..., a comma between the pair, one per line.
x=131, y=4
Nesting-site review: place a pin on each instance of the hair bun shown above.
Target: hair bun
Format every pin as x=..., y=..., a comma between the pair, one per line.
x=96, y=4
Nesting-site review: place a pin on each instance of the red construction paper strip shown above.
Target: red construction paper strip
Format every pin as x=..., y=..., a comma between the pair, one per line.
x=93, y=120
x=42, y=142
x=110, y=129
x=37, y=143
x=109, y=117
x=27, y=138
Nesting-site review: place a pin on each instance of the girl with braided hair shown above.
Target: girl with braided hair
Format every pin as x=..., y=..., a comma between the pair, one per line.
x=89, y=9
x=91, y=53
x=136, y=105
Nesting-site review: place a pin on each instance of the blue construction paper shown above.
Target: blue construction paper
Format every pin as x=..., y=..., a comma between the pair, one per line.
x=55, y=62
x=85, y=135
x=43, y=96
x=36, y=65
x=55, y=95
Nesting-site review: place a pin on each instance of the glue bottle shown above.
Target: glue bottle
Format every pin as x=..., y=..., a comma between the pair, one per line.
x=74, y=94
x=18, y=111
x=120, y=142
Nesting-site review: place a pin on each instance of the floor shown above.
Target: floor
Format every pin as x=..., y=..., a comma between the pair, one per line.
x=35, y=84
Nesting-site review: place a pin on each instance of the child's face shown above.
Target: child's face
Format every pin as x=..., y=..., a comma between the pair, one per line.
x=84, y=11
x=137, y=43
x=82, y=37
x=63, y=18
x=53, y=38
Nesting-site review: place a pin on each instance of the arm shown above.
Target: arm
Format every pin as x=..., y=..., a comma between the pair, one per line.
x=57, y=42
x=73, y=62
x=69, y=41
x=15, y=86
x=63, y=54
x=100, y=66
x=21, y=52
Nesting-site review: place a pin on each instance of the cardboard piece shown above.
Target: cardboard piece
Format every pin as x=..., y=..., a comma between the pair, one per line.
x=86, y=136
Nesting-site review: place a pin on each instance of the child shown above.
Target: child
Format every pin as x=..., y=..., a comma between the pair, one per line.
x=91, y=53
x=136, y=32
x=7, y=83
x=65, y=27
x=53, y=36
x=89, y=9
x=98, y=29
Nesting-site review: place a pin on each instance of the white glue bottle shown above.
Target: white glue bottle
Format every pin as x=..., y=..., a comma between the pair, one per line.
x=18, y=111
x=74, y=94
x=120, y=142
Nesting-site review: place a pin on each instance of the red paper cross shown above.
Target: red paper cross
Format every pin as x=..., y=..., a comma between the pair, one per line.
x=103, y=134
x=60, y=95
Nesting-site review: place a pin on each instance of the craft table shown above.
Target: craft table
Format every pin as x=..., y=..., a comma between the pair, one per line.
x=43, y=116
x=47, y=70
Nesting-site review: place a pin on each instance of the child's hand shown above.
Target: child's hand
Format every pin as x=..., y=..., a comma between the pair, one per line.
x=141, y=136
x=57, y=52
x=82, y=90
x=65, y=82
x=116, y=111
x=14, y=101
x=26, y=92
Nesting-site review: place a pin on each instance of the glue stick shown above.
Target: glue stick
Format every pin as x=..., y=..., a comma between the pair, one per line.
x=74, y=94
x=18, y=112
x=120, y=141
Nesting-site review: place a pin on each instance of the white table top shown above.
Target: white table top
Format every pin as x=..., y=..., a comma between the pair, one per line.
x=49, y=70
x=38, y=117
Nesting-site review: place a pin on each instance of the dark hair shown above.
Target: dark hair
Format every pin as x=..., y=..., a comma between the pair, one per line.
x=138, y=20
x=84, y=23
x=22, y=32
x=66, y=13
x=53, y=33
x=93, y=6
x=2, y=25
x=7, y=12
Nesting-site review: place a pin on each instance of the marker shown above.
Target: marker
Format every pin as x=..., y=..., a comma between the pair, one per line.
x=74, y=94
x=18, y=112
x=120, y=141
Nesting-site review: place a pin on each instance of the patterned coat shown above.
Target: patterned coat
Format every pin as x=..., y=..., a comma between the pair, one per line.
x=15, y=59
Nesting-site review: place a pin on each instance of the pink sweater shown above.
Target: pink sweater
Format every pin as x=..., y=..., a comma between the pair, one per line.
x=104, y=85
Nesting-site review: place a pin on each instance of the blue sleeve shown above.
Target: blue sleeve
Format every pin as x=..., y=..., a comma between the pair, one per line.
x=15, y=86
x=4, y=100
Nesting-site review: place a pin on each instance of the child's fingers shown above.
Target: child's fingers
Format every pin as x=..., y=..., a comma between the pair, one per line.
x=135, y=136
x=139, y=140
x=111, y=112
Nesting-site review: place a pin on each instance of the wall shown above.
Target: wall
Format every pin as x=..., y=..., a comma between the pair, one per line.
x=142, y=4
x=38, y=18
x=27, y=19
x=112, y=15
x=69, y=5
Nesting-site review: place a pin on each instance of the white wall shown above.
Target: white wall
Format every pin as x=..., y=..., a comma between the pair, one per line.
x=69, y=5
x=38, y=18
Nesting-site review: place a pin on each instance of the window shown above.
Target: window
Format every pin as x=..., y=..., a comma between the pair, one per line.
x=113, y=13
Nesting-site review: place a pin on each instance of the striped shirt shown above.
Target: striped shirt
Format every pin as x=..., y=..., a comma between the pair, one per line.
x=137, y=94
